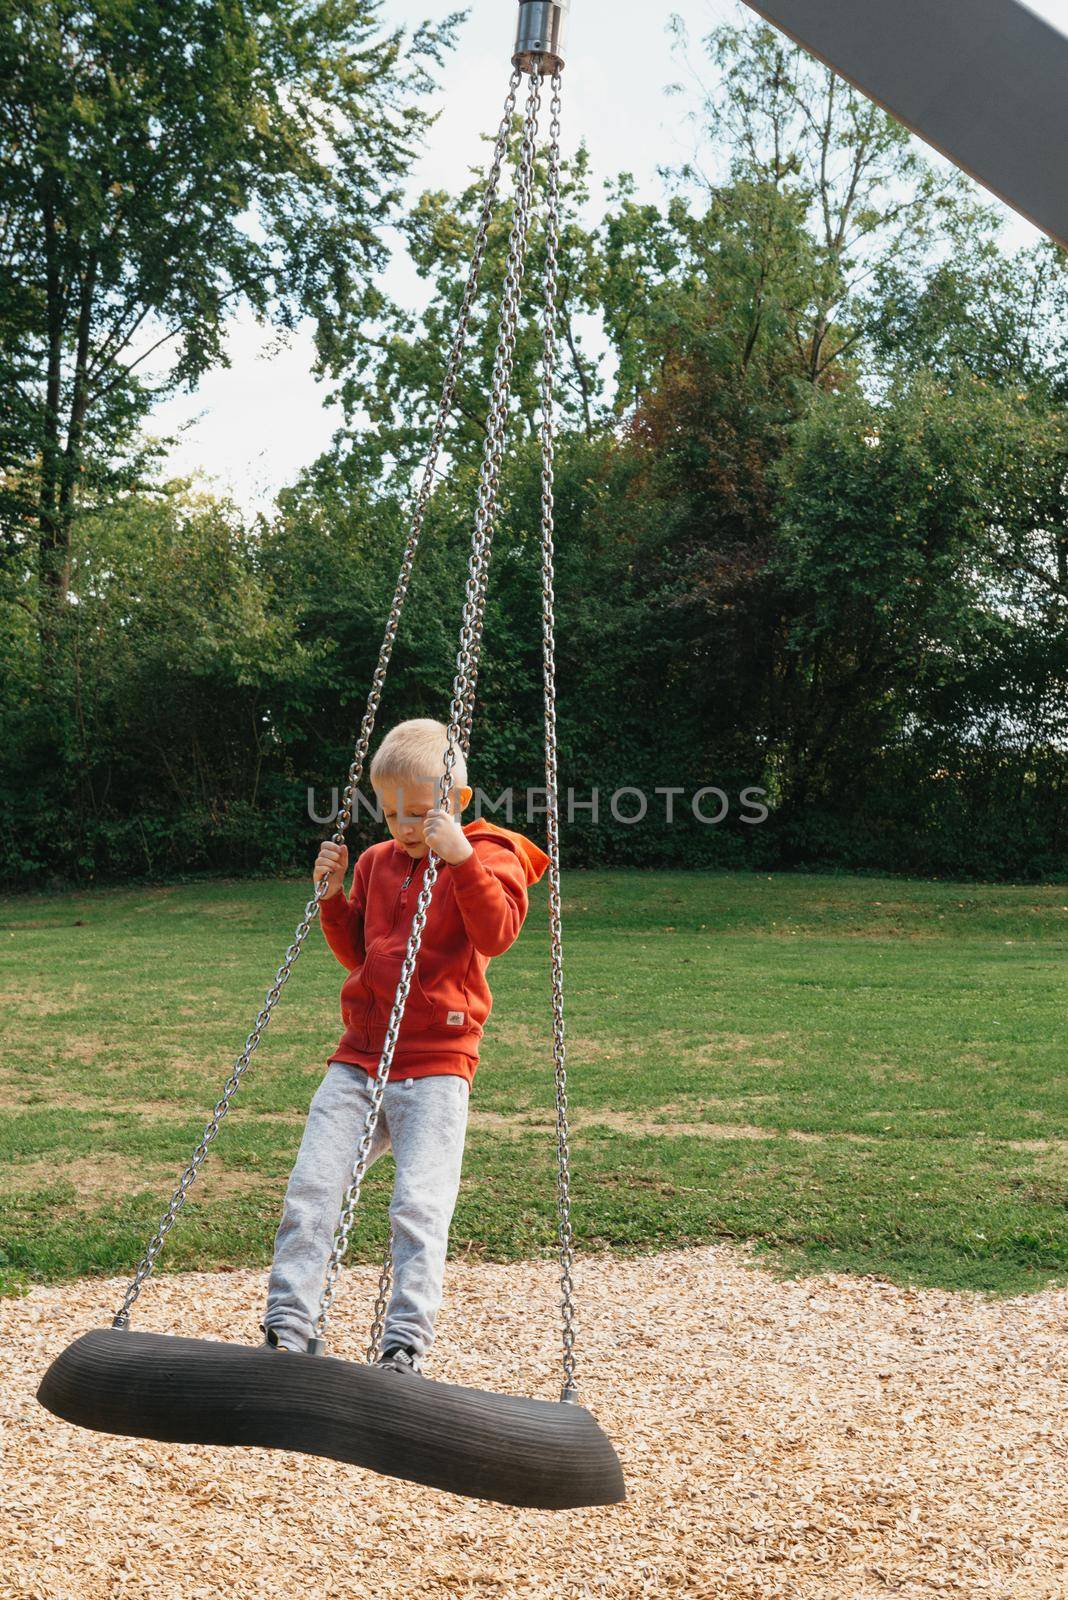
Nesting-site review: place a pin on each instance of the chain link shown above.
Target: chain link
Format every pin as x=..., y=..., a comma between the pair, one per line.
x=378, y=1319
x=470, y=637
x=344, y=816
x=563, y=1184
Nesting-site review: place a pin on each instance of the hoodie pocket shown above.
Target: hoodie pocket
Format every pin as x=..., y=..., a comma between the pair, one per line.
x=376, y=992
x=420, y=1012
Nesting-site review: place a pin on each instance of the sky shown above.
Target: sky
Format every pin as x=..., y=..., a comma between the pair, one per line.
x=249, y=428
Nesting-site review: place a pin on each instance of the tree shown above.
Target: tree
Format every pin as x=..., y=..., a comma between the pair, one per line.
x=898, y=528
x=164, y=161
x=980, y=313
x=173, y=654
x=866, y=191
x=395, y=362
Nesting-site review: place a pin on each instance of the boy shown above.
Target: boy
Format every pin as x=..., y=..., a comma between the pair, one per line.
x=477, y=908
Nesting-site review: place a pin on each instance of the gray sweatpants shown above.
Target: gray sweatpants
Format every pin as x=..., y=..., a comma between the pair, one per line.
x=424, y=1121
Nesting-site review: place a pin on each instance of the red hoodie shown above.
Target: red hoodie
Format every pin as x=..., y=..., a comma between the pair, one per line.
x=476, y=911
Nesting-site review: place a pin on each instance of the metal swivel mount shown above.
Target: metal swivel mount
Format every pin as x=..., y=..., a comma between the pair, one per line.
x=540, y=36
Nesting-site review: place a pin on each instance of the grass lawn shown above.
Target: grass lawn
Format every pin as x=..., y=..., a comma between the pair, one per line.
x=858, y=1073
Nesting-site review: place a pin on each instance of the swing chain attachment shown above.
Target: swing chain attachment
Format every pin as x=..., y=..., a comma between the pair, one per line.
x=311, y=910
x=540, y=35
x=470, y=641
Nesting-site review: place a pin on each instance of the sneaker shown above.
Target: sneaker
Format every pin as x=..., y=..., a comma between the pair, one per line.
x=272, y=1341
x=400, y=1358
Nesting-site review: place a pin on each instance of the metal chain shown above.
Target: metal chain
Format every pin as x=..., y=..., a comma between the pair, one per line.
x=344, y=816
x=567, y=1253
x=469, y=638
x=378, y=1319
x=385, y=1275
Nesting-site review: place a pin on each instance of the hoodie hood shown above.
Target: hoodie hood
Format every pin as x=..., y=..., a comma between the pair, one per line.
x=532, y=856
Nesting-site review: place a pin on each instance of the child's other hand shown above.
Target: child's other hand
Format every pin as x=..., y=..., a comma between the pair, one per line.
x=334, y=859
x=444, y=835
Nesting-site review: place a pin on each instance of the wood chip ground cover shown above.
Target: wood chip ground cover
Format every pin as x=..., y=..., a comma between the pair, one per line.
x=830, y=1438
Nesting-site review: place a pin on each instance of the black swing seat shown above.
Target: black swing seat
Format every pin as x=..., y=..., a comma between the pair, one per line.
x=508, y=1448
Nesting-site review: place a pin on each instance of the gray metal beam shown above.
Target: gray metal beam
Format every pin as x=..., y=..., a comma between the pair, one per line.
x=983, y=81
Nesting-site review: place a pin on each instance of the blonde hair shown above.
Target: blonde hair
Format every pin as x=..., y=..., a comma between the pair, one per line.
x=414, y=752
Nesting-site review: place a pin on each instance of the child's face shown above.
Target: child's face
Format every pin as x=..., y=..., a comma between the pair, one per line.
x=405, y=806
